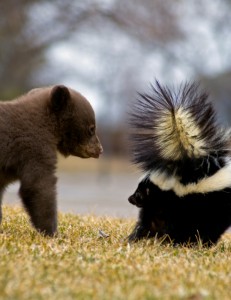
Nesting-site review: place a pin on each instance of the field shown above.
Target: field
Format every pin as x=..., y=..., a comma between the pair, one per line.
x=81, y=263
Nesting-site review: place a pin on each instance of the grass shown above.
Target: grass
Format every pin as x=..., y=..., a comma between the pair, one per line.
x=79, y=264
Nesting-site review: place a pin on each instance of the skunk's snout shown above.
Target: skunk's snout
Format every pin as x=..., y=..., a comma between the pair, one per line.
x=134, y=200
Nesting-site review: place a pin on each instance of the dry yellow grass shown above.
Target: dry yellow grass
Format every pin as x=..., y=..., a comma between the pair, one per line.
x=79, y=264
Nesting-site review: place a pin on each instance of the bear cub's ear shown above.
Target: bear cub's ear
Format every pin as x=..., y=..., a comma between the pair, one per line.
x=59, y=97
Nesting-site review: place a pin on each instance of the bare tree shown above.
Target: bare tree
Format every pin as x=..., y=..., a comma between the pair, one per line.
x=29, y=28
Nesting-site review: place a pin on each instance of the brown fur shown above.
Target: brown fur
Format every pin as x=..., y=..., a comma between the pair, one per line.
x=32, y=129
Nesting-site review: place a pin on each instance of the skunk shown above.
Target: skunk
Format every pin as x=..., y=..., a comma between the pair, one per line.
x=184, y=154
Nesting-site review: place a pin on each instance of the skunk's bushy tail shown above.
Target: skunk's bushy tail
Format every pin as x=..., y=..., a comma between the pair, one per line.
x=175, y=131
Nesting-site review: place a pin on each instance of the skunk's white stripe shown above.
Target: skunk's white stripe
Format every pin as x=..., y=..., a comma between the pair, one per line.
x=219, y=181
x=181, y=127
x=163, y=181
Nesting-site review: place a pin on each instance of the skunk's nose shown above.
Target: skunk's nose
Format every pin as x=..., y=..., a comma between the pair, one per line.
x=132, y=200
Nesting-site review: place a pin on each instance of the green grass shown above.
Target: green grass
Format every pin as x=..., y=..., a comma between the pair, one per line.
x=79, y=264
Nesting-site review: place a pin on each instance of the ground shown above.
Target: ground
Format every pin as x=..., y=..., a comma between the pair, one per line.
x=82, y=263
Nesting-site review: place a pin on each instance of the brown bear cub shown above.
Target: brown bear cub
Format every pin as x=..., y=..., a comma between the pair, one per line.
x=32, y=129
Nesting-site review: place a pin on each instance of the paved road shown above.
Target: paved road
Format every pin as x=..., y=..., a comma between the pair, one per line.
x=90, y=193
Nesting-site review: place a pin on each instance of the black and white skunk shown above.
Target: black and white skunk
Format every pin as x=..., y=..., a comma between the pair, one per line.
x=185, y=192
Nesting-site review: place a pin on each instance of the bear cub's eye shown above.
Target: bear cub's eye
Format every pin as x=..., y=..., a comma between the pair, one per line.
x=92, y=130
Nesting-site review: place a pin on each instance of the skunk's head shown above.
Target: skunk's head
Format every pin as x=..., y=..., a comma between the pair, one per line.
x=141, y=195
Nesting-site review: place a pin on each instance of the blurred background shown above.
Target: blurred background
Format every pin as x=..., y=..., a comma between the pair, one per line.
x=109, y=50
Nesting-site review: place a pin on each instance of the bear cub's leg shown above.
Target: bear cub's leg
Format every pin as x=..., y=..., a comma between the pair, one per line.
x=3, y=184
x=38, y=195
x=1, y=193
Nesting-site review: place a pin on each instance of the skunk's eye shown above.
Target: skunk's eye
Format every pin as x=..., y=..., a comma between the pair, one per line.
x=92, y=130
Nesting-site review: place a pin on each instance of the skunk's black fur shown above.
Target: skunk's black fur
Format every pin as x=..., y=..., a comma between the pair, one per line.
x=186, y=219
x=185, y=156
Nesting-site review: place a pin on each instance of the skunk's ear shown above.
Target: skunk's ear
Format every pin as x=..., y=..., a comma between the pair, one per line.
x=60, y=96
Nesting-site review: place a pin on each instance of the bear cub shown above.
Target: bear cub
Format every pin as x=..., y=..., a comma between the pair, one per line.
x=33, y=128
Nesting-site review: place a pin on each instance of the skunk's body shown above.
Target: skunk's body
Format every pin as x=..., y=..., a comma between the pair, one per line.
x=186, y=188
x=185, y=219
